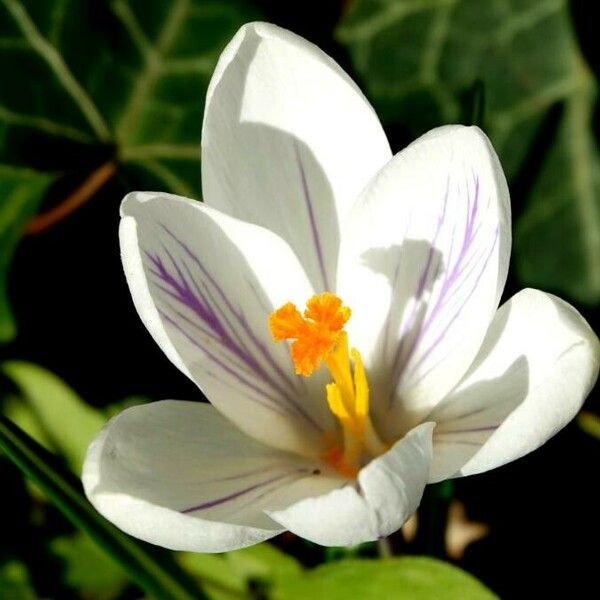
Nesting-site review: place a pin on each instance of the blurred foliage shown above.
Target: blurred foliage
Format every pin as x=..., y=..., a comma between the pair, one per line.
x=419, y=59
x=87, y=569
x=102, y=89
x=590, y=423
x=21, y=192
x=247, y=572
x=52, y=412
x=14, y=582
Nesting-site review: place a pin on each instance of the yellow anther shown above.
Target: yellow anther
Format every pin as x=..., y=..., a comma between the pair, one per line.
x=361, y=387
x=336, y=404
x=318, y=336
x=338, y=363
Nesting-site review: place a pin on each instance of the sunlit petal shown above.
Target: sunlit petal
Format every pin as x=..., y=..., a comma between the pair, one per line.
x=288, y=142
x=204, y=285
x=424, y=262
x=535, y=368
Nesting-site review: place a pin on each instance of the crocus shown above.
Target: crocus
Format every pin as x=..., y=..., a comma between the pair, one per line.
x=338, y=306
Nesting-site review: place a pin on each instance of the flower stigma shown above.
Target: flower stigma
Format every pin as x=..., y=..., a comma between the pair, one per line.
x=318, y=337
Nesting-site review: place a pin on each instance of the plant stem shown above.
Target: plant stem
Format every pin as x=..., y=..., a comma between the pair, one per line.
x=433, y=515
x=73, y=201
x=384, y=548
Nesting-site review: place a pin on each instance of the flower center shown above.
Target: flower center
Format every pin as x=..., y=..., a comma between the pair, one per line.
x=318, y=337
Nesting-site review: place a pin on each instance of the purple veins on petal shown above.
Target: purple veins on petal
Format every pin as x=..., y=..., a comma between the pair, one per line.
x=450, y=442
x=224, y=365
x=311, y=217
x=462, y=264
x=243, y=492
x=426, y=277
x=426, y=354
x=217, y=320
x=469, y=430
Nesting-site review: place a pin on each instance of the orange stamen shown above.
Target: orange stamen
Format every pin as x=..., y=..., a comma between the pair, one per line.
x=315, y=333
x=335, y=457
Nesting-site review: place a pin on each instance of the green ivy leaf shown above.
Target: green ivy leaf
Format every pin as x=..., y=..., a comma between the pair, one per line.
x=122, y=78
x=69, y=424
x=406, y=578
x=419, y=59
x=21, y=191
x=129, y=73
x=557, y=241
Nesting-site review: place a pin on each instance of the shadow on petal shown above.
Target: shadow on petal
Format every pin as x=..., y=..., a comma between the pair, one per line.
x=284, y=186
x=415, y=264
x=470, y=415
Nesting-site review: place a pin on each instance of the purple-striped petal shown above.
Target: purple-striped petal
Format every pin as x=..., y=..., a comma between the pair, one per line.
x=535, y=368
x=180, y=475
x=288, y=142
x=424, y=262
x=204, y=285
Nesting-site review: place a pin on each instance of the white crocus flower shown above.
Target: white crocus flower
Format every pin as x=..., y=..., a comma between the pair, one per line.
x=403, y=257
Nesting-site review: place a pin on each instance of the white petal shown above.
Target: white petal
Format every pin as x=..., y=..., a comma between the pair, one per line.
x=423, y=265
x=288, y=142
x=204, y=285
x=535, y=368
x=386, y=494
x=180, y=475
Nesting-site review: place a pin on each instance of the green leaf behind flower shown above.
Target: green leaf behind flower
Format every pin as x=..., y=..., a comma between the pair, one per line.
x=21, y=191
x=241, y=573
x=67, y=422
x=407, y=578
x=419, y=59
x=14, y=582
x=87, y=569
x=121, y=79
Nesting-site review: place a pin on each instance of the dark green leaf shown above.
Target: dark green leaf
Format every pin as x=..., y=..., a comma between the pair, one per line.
x=21, y=191
x=89, y=79
x=123, y=72
x=407, y=578
x=419, y=61
x=154, y=572
x=557, y=241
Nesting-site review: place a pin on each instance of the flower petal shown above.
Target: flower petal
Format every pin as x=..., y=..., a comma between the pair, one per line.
x=423, y=265
x=535, y=368
x=180, y=475
x=386, y=494
x=204, y=285
x=288, y=142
